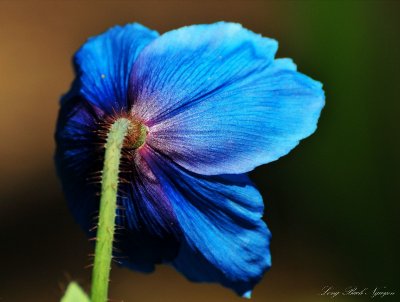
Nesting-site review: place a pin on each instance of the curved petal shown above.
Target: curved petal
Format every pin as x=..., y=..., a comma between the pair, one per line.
x=103, y=65
x=225, y=240
x=151, y=232
x=78, y=157
x=217, y=102
x=148, y=230
x=169, y=214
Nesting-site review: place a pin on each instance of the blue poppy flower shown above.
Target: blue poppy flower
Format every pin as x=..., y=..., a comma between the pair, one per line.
x=212, y=103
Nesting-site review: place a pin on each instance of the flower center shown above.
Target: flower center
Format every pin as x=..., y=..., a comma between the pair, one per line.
x=136, y=136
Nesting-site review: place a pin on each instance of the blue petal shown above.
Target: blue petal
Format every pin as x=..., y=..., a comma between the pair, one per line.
x=77, y=157
x=217, y=102
x=247, y=294
x=149, y=231
x=225, y=240
x=104, y=63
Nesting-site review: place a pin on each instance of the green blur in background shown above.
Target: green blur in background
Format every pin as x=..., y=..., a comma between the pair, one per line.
x=332, y=204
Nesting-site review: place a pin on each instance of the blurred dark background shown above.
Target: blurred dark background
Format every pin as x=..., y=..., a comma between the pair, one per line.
x=332, y=204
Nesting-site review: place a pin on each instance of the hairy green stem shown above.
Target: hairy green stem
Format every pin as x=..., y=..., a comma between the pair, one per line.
x=108, y=206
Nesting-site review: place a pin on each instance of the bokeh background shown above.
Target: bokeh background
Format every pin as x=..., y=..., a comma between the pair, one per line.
x=332, y=204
